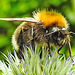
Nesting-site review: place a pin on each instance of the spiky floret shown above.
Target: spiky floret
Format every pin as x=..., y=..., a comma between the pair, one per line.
x=50, y=18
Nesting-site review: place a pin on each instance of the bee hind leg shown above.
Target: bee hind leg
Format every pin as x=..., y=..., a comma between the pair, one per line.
x=33, y=45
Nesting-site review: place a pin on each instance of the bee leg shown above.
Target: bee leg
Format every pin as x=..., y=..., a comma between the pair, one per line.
x=49, y=49
x=69, y=47
x=60, y=49
x=33, y=45
x=42, y=48
x=40, y=52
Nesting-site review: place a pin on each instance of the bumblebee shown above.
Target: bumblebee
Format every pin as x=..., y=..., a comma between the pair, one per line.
x=48, y=27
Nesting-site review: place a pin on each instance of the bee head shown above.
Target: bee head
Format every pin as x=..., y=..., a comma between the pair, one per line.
x=58, y=36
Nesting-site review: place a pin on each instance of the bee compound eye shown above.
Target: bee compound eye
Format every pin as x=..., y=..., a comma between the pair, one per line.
x=56, y=33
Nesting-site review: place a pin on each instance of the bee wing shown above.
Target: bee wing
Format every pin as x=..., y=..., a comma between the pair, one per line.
x=27, y=19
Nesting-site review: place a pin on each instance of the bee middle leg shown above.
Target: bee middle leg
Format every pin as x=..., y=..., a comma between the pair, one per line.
x=60, y=49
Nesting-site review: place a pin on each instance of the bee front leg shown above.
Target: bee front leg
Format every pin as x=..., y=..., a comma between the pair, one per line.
x=60, y=49
x=69, y=47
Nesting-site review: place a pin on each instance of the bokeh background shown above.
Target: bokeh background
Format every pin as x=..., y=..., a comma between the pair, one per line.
x=24, y=8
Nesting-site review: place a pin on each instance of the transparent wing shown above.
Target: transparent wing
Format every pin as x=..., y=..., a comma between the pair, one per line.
x=27, y=19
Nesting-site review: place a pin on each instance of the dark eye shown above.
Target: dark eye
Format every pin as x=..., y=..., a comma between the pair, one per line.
x=56, y=34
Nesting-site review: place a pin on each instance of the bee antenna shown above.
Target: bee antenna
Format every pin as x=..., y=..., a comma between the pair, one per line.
x=72, y=33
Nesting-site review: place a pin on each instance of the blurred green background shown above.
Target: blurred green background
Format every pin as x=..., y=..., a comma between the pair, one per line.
x=24, y=8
